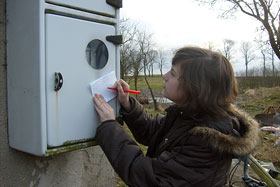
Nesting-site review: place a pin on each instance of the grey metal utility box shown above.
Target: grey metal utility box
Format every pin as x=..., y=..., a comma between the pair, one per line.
x=55, y=48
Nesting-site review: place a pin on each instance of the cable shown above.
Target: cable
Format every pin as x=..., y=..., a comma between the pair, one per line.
x=245, y=167
x=233, y=170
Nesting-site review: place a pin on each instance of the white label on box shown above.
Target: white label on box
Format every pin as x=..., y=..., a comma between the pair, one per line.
x=100, y=86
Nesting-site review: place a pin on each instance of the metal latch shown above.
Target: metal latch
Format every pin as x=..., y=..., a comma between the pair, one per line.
x=115, y=39
x=58, y=81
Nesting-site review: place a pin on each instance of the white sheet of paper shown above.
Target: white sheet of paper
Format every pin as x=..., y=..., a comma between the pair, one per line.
x=100, y=86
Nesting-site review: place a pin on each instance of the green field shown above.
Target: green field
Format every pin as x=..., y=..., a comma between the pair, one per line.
x=155, y=82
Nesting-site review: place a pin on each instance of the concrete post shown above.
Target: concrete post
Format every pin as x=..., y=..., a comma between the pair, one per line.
x=82, y=168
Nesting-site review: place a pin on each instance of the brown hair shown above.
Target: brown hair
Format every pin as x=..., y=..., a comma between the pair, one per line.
x=208, y=81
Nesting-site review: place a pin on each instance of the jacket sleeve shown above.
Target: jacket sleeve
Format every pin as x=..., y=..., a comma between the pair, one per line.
x=137, y=170
x=142, y=125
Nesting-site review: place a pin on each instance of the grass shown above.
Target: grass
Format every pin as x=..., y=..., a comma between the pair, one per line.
x=266, y=151
x=263, y=98
x=155, y=82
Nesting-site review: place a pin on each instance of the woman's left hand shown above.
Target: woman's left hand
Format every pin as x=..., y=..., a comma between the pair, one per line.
x=104, y=110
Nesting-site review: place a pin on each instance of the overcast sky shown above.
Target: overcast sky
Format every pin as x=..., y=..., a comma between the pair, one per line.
x=178, y=23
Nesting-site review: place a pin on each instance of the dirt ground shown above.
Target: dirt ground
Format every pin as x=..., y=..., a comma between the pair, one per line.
x=256, y=101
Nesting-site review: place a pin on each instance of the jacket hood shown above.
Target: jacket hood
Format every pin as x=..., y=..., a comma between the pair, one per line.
x=227, y=143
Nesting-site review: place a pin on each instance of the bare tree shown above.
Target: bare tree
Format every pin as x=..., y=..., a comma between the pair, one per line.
x=137, y=66
x=137, y=54
x=161, y=60
x=264, y=11
x=271, y=54
x=152, y=55
x=263, y=52
x=131, y=61
x=267, y=54
x=210, y=45
x=146, y=49
x=227, y=50
x=264, y=48
x=127, y=49
x=247, y=52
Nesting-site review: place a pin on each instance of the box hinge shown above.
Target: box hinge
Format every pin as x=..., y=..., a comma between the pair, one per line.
x=115, y=3
x=115, y=39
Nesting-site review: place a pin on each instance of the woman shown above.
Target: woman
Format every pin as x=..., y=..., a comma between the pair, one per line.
x=193, y=145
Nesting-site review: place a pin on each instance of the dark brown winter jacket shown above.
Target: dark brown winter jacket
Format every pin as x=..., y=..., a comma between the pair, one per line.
x=182, y=152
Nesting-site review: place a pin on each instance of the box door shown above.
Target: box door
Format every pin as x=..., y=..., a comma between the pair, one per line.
x=97, y=6
x=76, y=53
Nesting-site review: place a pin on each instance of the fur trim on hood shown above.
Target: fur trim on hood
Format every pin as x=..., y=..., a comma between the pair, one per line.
x=238, y=146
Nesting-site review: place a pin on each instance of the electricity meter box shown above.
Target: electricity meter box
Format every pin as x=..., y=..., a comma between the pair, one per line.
x=55, y=48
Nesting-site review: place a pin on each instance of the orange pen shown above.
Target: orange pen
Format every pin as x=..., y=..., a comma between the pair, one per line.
x=128, y=91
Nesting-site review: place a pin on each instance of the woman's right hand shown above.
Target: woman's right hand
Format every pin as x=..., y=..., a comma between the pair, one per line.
x=123, y=97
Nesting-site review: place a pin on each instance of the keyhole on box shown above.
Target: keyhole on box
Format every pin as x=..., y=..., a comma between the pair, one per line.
x=97, y=54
